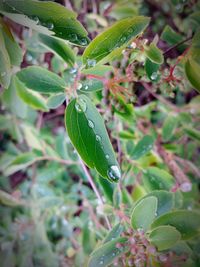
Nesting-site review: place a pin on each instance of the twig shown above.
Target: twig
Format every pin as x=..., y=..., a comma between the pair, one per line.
x=176, y=45
x=95, y=190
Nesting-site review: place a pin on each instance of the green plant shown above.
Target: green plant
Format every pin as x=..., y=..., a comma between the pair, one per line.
x=136, y=201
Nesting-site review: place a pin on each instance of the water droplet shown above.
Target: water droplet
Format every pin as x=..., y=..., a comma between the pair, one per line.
x=73, y=37
x=114, y=173
x=123, y=39
x=156, y=214
x=29, y=57
x=101, y=262
x=98, y=138
x=50, y=25
x=154, y=76
x=80, y=105
x=36, y=19
x=113, y=254
x=3, y=74
x=130, y=30
x=73, y=71
x=91, y=62
x=83, y=41
x=107, y=156
x=86, y=87
x=91, y=124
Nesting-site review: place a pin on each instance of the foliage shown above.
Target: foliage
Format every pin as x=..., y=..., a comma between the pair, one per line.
x=99, y=133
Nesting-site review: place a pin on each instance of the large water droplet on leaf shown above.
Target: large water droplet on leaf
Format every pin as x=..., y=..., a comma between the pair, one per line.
x=73, y=37
x=50, y=25
x=83, y=41
x=91, y=62
x=80, y=105
x=98, y=138
x=114, y=173
x=91, y=124
x=154, y=76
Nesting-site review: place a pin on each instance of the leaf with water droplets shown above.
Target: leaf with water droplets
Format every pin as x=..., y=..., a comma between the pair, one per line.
x=46, y=17
x=41, y=80
x=143, y=147
x=117, y=36
x=59, y=47
x=151, y=69
x=187, y=222
x=169, y=127
x=164, y=237
x=144, y=213
x=107, y=253
x=88, y=134
x=114, y=233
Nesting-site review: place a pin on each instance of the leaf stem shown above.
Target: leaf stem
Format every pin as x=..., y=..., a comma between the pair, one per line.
x=176, y=45
x=89, y=177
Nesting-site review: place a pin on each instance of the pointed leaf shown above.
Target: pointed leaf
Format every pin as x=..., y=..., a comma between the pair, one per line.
x=114, y=37
x=31, y=98
x=164, y=237
x=143, y=147
x=106, y=254
x=114, y=233
x=154, y=54
x=151, y=69
x=144, y=213
x=169, y=127
x=55, y=101
x=41, y=80
x=88, y=134
x=59, y=47
x=192, y=70
x=46, y=17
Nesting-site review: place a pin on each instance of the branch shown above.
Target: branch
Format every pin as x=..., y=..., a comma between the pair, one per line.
x=176, y=45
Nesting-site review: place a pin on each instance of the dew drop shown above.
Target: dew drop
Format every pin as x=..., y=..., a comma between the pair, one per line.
x=113, y=254
x=91, y=62
x=123, y=39
x=80, y=105
x=50, y=25
x=130, y=30
x=79, y=86
x=73, y=71
x=29, y=57
x=86, y=87
x=114, y=173
x=107, y=156
x=98, y=138
x=101, y=262
x=73, y=37
x=36, y=19
x=83, y=41
x=154, y=76
x=91, y=124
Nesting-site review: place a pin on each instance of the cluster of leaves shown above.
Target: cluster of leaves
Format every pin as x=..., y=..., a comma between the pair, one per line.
x=139, y=208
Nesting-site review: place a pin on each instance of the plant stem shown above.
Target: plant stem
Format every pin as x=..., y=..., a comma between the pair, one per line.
x=89, y=177
x=176, y=45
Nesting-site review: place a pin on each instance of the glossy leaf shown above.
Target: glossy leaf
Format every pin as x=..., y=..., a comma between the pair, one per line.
x=90, y=85
x=46, y=17
x=41, y=80
x=88, y=134
x=31, y=98
x=192, y=133
x=59, y=47
x=169, y=127
x=13, y=49
x=143, y=147
x=151, y=69
x=155, y=179
x=164, y=237
x=154, y=54
x=114, y=37
x=192, y=70
x=106, y=254
x=114, y=233
x=144, y=213
x=186, y=222
x=55, y=101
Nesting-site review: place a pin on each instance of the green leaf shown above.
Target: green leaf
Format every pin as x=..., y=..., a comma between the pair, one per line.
x=5, y=67
x=144, y=213
x=55, y=101
x=169, y=126
x=88, y=134
x=107, y=189
x=59, y=47
x=164, y=237
x=118, y=35
x=88, y=239
x=41, y=80
x=13, y=49
x=154, y=54
x=20, y=162
x=90, y=85
x=143, y=147
x=192, y=70
x=155, y=179
x=114, y=233
x=31, y=98
x=186, y=222
x=165, y=201
x=192, y=133
x=151, y=69
x=106, y=254
x=46, y=17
